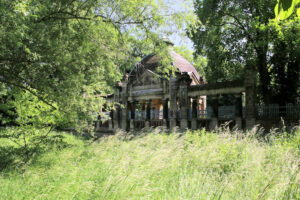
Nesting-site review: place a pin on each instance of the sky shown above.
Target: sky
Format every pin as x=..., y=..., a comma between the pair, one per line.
x=179, y=41
x=185, y=6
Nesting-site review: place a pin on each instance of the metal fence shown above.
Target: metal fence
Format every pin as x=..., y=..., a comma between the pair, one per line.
x=274, y=111
x=271, y=111
x=226, y=112
x=141, y=115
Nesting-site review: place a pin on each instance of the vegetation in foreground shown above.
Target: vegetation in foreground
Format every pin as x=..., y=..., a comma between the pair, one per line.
x=157, y=165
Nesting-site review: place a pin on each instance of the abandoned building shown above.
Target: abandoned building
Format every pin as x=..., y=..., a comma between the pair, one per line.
x=149, y=99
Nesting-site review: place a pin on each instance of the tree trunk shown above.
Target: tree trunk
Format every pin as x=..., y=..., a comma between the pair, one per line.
x=264, y=75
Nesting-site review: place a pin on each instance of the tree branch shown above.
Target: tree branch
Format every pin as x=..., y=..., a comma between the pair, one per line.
x=32, y=92
x=75, y=16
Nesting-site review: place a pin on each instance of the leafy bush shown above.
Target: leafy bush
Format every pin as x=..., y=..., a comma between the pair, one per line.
x=34, y=121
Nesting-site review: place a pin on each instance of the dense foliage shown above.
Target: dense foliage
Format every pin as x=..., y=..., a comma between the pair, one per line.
x=285, y=8
x=69, y=54
x=235, y=34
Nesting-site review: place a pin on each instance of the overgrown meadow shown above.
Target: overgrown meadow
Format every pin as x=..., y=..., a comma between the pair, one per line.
x=157, y=165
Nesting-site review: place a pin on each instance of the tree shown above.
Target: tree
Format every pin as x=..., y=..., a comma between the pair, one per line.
x=34, y=119
x=285, y=61
x=285, y=8
x=199, y=62
x=70, y=53
x=237, y=34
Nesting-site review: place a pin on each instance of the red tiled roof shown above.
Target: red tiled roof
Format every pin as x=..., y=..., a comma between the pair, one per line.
x=151, y=61
x=183, y=65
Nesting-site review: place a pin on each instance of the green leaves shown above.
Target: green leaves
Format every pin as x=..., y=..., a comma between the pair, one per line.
x=234, y=33
x=29, y=110
x=285, y=8
x=70, y=54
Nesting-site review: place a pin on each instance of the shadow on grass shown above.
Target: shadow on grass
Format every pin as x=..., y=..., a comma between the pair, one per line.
x=14, y=157
x=8, y=156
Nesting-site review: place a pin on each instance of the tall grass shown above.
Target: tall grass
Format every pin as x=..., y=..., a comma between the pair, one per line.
x=156, y=165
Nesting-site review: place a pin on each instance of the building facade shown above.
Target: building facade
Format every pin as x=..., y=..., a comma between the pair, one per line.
x=147, y=99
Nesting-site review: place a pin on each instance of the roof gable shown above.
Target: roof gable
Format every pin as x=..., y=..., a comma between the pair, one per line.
x=147, y=78
x=151, y=61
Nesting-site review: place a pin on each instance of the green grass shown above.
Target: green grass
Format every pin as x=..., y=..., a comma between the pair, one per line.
x=192, y=165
